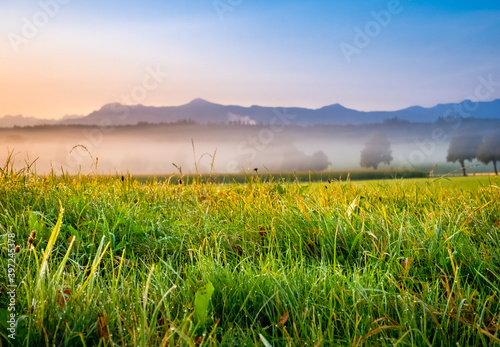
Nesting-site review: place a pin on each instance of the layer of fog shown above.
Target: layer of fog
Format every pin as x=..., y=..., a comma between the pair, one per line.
x=152, y=150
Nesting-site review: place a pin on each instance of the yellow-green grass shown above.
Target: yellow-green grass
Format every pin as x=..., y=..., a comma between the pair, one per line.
x=401, y=262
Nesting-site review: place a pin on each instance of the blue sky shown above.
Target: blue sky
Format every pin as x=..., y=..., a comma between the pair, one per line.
x=273, y=53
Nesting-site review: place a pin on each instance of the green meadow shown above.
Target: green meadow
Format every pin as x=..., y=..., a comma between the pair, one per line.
x=116, y=261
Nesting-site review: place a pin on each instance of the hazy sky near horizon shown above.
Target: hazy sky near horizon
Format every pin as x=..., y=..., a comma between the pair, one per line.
x=60, y=57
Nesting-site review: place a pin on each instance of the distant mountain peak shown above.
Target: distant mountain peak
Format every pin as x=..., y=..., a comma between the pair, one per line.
x=199, y=101
x=334, y=107
x=108, y=106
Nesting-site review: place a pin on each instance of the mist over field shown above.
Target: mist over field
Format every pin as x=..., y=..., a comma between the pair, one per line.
x=152, y=149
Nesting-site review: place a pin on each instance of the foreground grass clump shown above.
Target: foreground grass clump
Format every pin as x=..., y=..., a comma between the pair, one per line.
x=410, y=262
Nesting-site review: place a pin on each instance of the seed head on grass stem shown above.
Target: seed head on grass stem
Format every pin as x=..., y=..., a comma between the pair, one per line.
x=30, y=242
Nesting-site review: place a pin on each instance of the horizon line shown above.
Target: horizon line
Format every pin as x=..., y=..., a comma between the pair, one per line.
x=235, y=105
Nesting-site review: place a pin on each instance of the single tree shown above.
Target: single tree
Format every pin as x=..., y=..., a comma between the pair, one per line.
x=377, y=150
x=489, y=150
x=463, y=146
x=317, y=162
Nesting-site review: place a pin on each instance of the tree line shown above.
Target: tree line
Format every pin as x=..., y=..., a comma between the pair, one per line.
x=467, y=144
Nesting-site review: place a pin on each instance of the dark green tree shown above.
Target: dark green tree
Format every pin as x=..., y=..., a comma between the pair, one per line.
x=377, y=150
x=489, y=150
